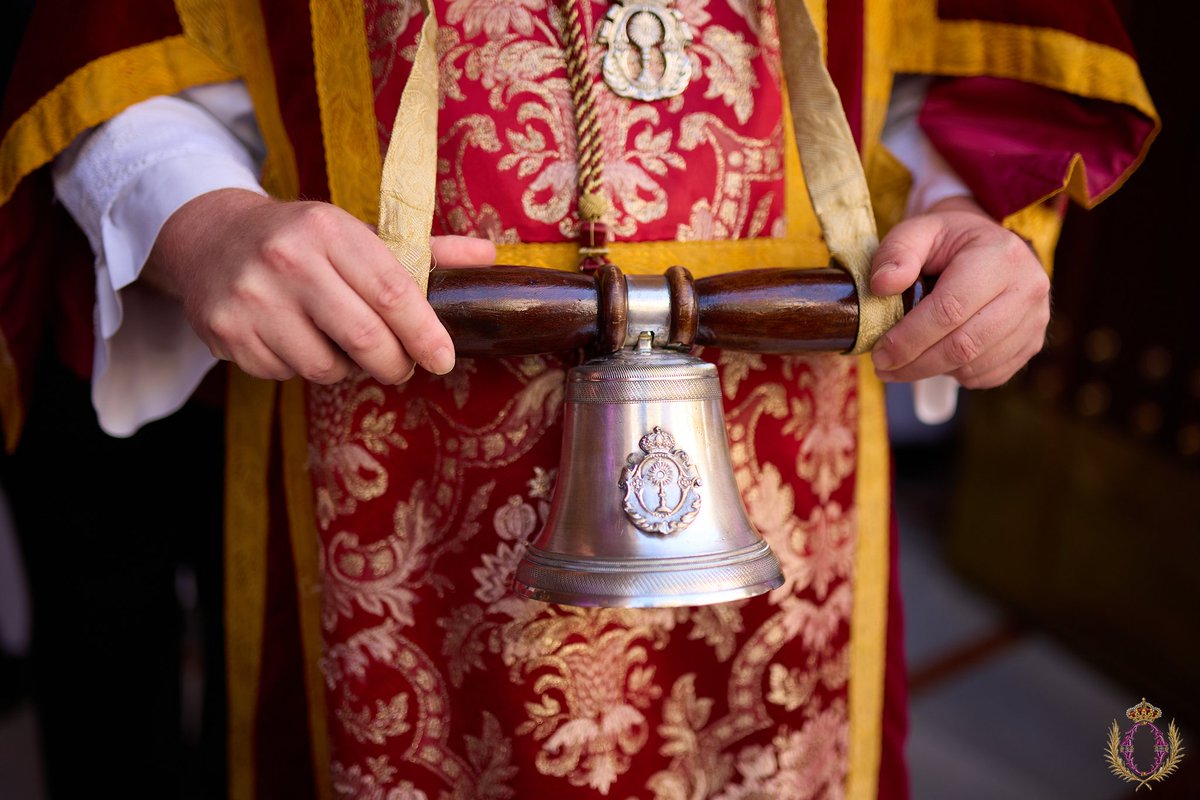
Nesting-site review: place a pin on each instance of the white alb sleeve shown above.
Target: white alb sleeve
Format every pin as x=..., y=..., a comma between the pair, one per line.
x=933, y=178
x=120, y=182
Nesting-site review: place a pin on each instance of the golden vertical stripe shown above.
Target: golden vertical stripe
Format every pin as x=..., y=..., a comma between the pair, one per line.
x=818, y=11
x=206, y=24
x=877, y=73
x=10, y=397
x=93, y=93
x=248, y=448
x=869, y=613
x=302, y=526
x=279, y=174
x=250, y=413
x=347, y=103
x=833, y=168
x=406, y=195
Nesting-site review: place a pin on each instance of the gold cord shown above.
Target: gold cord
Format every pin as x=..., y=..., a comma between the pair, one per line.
x=593, y=205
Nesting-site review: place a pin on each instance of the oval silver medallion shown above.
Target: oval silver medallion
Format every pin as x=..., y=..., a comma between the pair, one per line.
x=646, y=57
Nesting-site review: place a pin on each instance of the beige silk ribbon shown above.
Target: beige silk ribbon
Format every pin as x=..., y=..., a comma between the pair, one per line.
x=406, y=195
x=833, y=170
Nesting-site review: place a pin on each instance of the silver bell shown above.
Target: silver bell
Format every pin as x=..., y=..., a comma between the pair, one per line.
x=646, y=511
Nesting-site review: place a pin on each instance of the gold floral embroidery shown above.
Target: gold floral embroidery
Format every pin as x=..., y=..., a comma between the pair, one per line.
x=741, y=162
x=828, y=542
x=800, y=765
x=354, y=783
x=727, y=56
x=586, y=686
x=816, y=624
x=496, y=17
x=347, y=470
x=823, y=421
x=378, y=725
x=490, y=758
x=791, y=688
x=512, y=51
x=592, y=685
x=716, y=625
x=684, y=718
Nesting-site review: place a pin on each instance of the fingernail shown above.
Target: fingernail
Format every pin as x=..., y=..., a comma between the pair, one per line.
x=442, y=361
x=887, y=266
x=881, y=360
x=407, y=377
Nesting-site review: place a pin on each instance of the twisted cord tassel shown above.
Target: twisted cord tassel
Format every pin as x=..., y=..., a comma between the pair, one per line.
x=593, y=205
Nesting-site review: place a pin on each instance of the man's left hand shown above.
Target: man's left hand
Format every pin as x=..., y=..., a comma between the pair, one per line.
x=987, y=314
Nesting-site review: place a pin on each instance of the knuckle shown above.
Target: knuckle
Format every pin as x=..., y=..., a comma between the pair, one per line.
x=962, y=348
x=422, y=344
x=324, y=369
x=364, y=336
x=321, y=219
x=1042, y=319
x=893, y=346
x=225, y=330
x=268, y=371
x=279, y=252
x=395, y=290
x=1039, y=287
x=398, y=372
x=1016, y=249
x=948, y=309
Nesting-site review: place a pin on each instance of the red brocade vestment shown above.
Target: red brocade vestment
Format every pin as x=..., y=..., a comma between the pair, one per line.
x=424, y=676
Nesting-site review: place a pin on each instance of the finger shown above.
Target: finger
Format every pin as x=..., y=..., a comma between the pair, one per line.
x=997, y=376
x=975, y=338
x=462, y=251
x=958, y=296
x=999, y=365
x=359, y=331
x=370, y=269
x=311, y=354
x=898, y=261
x=255, y=358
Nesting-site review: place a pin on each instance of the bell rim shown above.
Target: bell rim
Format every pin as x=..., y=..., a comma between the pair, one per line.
x=646, y=601
x=693, y=580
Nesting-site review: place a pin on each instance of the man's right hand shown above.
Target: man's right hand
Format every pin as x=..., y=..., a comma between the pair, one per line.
x=301, y=288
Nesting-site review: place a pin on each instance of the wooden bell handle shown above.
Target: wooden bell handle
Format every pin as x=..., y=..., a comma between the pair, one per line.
x=508, y=311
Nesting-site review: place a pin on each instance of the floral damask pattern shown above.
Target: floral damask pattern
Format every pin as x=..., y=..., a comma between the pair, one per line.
x=507, y=113
x=440, y=683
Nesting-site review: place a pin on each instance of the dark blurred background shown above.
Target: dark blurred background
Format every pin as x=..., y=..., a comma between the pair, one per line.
x=1050, y=533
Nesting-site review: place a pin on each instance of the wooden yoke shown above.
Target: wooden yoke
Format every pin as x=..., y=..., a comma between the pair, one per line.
x=512, y=311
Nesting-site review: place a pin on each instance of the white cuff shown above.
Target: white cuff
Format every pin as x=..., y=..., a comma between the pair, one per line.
x=148, y=360
x=121, y=182
x=933, y=179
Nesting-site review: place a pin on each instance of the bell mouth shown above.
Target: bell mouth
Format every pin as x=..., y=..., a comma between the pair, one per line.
x=647, y=582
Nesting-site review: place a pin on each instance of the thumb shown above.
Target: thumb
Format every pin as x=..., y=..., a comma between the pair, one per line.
x=462, y=251
x=903, y=253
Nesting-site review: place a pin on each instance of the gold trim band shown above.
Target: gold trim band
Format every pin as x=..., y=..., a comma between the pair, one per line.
x=96, y=92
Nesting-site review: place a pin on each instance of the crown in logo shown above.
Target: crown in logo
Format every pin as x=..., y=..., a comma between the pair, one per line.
x=1143, y=712
x=657, y=440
